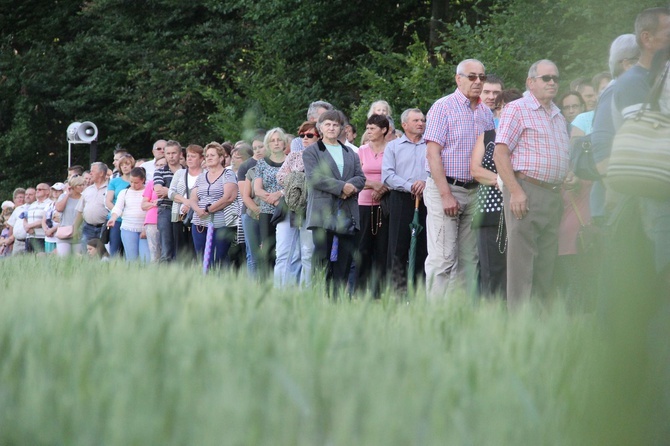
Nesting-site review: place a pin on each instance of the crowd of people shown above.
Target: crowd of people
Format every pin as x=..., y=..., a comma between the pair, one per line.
x=486, y=172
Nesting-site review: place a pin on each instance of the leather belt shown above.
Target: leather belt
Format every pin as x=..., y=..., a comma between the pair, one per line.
x=554, y=187
x=465, y=184
x=96, y=226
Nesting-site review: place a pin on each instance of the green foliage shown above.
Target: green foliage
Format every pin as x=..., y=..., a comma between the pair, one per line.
x=413, y=79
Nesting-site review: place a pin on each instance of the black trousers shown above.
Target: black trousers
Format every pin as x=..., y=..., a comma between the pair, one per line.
x=400, y=236
x=372, y=250
x=337, y=272
x=268, y=244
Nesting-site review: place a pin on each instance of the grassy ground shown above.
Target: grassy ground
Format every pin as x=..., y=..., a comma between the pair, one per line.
x=106, y=353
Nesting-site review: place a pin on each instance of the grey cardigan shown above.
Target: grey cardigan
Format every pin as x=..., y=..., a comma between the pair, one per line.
x=325, y=184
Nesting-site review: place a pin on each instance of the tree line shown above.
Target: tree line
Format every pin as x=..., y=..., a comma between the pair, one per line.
x=208, y=70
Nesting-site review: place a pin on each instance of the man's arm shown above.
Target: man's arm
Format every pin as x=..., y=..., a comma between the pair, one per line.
x=449, y=202
x=518, y=200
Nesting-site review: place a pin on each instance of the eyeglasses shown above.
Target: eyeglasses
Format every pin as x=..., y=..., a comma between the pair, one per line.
x=547, y=78
x=473, y=77
x=159, y=148
x=307, y=135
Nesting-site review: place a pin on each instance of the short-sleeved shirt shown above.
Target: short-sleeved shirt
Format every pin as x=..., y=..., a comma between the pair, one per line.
x=35, y=213
x=453, y=125
x=92, y=204
x=372, y=168
x=242, y=174
x=584, y=122
x=210, y=193
x=163, y=177
x=117, y=185
x=266, y=169
x=537, y=139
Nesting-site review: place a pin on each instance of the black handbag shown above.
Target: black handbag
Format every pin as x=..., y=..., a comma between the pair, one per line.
x=280, y=213
x=581, y=159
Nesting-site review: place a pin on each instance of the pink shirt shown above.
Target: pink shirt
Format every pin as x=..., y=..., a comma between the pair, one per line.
x=453, y=125
x=538, y=140
x=372, y=168
x=150, y=194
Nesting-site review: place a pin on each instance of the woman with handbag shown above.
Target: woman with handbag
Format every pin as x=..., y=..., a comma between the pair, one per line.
x=373, y=236
x=334, y=177
x=214, y=202
x=270, y=193
x=65, y=231
x=180, y=191
x=129, y=205
x=301, y=246
x=116, y=185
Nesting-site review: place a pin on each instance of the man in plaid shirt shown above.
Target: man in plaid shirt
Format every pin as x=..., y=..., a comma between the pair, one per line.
x=453, y=124
x=532, y=158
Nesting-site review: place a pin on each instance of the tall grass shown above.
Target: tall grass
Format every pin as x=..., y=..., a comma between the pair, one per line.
x=112, y=354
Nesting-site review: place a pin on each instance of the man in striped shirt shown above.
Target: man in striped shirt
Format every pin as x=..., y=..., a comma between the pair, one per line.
x=531, y=156
x=453, y=124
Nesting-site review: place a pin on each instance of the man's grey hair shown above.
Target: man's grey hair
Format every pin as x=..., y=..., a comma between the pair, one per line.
x=102, y=167
x=405, y=114
x=461, y=66
x=313, y=110
x=648, y=21
x=624, y=47
x=173, y=143
x=160, y=140
x=532, y=71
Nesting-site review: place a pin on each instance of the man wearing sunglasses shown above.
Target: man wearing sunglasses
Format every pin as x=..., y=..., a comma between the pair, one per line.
x=453, y=124
x=158, y=151
x=531, y=156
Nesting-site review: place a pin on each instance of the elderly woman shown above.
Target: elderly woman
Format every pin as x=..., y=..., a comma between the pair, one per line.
x=181, y=189
x=65, y=244
x=129, y=205
x=270, y=193
x=214, y=201
x=301, y=244
x=334, y=178
x=116, y=185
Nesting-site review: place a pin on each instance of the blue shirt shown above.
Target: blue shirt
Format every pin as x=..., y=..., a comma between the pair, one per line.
x=403, y=163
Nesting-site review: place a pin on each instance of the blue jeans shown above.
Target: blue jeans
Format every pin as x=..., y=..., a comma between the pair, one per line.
x=131, y=245
x=223, y=238
x=252, y=238
x=89, y=232
x=165, y=234
x=115, y=238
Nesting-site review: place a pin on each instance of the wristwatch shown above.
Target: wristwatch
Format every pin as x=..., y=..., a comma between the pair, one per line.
x=207, y=208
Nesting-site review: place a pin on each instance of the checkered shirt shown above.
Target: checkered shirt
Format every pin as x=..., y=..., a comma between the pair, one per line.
x=538, y=140
x=453, y=125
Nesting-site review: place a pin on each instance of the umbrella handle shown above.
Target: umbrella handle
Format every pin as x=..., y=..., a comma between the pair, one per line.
x=416, y=202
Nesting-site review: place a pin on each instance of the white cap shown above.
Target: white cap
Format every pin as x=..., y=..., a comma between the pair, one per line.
x=58, y=186
x=7, y=204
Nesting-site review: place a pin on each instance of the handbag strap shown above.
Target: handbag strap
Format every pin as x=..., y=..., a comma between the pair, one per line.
x=574, y=206
x=655, y=92
x=187, y=183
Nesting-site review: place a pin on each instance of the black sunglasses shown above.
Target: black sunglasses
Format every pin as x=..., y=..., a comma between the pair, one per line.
x=473, y=77
x=308, y=135
x=547, y=78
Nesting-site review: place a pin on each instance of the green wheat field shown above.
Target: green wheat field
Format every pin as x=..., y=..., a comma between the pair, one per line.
x=106, y=353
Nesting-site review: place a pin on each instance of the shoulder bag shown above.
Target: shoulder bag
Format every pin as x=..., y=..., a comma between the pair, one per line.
x=640, y=160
